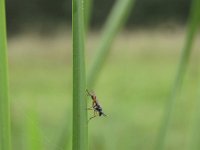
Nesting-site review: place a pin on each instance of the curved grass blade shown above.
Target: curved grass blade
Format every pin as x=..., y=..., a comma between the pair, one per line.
x=194, y=19
x=112, y=26
x=5, y=133
x=80, y=128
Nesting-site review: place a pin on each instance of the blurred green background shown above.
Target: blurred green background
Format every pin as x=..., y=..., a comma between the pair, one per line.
x=133, y=86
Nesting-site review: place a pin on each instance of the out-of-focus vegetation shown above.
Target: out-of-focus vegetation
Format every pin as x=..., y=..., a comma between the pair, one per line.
x=45, y=14
x=132, y=89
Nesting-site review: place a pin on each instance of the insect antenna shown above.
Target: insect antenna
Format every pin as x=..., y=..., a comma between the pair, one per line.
x=88, y=93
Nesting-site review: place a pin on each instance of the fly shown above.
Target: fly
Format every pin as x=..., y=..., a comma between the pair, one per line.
x=95, y=106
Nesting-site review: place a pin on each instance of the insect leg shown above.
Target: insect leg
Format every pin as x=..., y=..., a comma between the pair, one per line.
x=93, y=116
x=90, y=108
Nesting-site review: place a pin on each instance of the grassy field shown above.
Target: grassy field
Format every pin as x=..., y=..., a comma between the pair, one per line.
x=133, y=88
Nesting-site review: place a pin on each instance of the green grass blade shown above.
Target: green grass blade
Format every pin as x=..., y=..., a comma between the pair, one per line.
x=5, y=138
x=192, y=28
x=33, y=133
x=78, y=46
x=88, y=10
x=113, y=24
x=80, y=128
x=195, y=134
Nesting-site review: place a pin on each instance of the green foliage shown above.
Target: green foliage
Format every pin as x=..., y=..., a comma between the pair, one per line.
x=5, y=139
x=132, y=96
x=80, y=131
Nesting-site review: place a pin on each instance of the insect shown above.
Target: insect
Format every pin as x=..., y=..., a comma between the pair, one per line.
x=95, y=106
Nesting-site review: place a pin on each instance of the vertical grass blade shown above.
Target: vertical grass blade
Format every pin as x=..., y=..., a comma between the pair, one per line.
x=80, y=128
x=33, y=133
x=5, y=139
x=114, y=22
x=193, y=24
x=195, y=135
x=88, y=9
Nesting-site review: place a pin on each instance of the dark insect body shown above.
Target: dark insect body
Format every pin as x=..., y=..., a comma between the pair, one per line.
x=95, y=106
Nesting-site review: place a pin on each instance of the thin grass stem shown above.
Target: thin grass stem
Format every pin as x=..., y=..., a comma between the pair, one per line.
x=80, y=115
x=115, y=21
x=80, y=127
x=33, y=132
x=88, y=10
x=195, y=134
x=5, y=133
x=184, y=60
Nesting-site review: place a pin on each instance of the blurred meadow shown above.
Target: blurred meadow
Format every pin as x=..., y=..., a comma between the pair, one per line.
x=133, y=87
